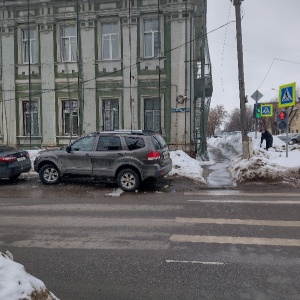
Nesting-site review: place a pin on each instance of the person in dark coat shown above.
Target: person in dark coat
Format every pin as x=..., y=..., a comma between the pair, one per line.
x=266, y=135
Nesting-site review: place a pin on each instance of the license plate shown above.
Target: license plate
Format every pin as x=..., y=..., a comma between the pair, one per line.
x=21, y=158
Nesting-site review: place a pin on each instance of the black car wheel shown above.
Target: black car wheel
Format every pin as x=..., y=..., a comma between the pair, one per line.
x=128, y=180
x=49, y=174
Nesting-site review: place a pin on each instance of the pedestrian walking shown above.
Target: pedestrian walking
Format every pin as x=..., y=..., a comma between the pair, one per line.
x=266, y=135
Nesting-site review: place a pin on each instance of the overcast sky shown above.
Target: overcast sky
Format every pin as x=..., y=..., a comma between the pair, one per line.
x=271, y=47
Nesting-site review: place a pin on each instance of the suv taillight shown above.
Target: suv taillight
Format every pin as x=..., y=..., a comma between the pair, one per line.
x=8, y=159
x=154, y=155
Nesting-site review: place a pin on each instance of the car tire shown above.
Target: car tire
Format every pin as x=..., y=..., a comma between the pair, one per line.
x=128, y=180
x=49, y=174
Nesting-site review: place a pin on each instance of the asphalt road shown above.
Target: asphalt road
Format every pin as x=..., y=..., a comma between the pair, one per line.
x=159, y=243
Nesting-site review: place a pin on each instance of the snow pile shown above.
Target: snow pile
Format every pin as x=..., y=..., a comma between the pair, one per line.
x=184, y=165
x=269, y=166
x=16, y=283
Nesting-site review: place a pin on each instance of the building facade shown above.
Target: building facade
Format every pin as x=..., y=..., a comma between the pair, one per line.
x=73, y=67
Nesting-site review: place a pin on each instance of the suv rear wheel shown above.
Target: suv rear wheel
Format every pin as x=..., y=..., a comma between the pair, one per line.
x=49, y=174
x=128, y=180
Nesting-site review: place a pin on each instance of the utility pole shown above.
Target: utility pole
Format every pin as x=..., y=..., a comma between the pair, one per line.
x=245, y=138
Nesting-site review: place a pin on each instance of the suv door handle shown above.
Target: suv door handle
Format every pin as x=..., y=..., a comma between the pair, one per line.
x=88, y=155
x=119, y=154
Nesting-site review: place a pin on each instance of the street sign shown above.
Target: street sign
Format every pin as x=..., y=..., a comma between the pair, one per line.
x=266, y=110
x=287, y=95
x=257, y=95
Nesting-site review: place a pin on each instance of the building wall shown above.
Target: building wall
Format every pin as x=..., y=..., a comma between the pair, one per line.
x=131, y=78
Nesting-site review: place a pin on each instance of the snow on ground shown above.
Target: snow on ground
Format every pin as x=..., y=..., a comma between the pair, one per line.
x=267, y=166
x=16, y=283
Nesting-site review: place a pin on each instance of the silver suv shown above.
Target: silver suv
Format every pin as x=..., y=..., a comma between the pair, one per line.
x=129, y=157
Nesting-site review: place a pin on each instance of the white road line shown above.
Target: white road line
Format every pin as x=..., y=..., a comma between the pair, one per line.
x=247, y=201
x=196, y=262
x=238, y=222
x=237, y=193
x=234, y=240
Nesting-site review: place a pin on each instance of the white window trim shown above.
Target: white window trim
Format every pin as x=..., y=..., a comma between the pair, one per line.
x=161, y=24
x=162, y=110
x=60, y=113
x=21, y=117
x=20, y=44
x=59, y=42
x=100, y=28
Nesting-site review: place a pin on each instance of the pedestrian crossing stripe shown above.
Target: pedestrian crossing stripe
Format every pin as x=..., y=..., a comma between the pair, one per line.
x=287, y=95
x=266, y=110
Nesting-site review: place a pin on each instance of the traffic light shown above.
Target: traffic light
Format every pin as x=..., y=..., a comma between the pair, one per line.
x=282, y=120
x=257, y=111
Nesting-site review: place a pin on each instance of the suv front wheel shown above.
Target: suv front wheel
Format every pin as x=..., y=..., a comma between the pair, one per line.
x=49, y=174
x=128, y=180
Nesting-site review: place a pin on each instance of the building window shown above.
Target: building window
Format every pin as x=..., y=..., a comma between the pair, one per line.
x=152, y=114
x=151, y=38
x=110, y=41
x=70, y=117
x=110, y=114
x=68, y=43
x=29, y=46
x=30, y=118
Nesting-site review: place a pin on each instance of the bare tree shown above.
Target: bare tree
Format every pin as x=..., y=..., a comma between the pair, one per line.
x=216, y=117
x=234, y=119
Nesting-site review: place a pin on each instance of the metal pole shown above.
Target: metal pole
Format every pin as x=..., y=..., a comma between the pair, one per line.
x=245, y=138
x=287, y=135
x=29, y=77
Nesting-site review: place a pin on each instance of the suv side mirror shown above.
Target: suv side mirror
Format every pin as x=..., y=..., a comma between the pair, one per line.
x=68, y=149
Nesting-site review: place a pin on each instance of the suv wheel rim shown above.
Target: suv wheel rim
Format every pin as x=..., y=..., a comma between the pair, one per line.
x=128, y=180
x=51, y=175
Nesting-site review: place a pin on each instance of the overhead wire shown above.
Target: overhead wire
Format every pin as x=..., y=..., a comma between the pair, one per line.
x=127, y=67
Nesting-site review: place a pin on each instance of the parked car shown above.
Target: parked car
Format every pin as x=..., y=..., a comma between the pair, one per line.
x=283, y=138
x=13, y=162
x=295, y=137
x=129, y=157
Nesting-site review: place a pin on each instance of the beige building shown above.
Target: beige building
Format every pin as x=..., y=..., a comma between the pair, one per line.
x=72, y=67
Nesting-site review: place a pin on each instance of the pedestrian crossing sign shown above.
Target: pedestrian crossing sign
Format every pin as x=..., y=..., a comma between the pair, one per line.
x=266, y=110
x=287, y=95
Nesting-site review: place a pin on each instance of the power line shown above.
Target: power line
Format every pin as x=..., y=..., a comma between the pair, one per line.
x=124, y=68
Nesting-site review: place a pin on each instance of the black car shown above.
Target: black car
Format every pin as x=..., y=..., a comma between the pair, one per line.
x=13, y=162
x=129, y=157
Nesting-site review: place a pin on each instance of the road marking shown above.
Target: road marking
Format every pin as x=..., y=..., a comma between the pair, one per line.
x=247, y=201
x=196, y=262
x=238, y=222
x=234, y=240
x=237, y=193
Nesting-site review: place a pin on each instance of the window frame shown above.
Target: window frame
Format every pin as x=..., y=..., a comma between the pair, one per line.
x=32, y=46
x=63, y=122
x=153, y=111
x=110, y=35
x=62, y=38
x=35, y=115
x=111, y=111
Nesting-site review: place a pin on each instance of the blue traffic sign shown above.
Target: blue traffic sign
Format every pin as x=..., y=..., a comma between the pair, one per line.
x=287, y=95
